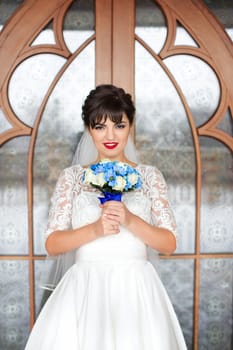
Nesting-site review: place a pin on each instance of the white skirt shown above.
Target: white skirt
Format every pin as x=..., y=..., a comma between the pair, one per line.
x=107, y=305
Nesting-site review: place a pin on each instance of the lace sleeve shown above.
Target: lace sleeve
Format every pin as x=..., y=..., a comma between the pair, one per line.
x=60, y=212
x=161, y=212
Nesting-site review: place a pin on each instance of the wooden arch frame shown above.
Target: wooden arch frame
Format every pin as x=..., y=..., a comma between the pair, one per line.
x=22, y=28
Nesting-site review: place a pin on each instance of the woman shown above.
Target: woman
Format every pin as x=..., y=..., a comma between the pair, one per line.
x=111, y=298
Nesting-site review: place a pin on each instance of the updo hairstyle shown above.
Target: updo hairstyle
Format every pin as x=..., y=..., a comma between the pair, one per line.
x=107, y=101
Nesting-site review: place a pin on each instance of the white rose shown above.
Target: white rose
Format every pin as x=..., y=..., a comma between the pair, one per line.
x=120, y=184
x=133, y=178
x=89, y=176
x=99, y=180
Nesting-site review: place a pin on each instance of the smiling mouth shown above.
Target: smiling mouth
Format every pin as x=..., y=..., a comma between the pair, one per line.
x=110, y=145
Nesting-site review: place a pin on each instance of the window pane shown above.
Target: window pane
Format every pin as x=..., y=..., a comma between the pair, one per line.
x=14, y=304
x=13, y=191
x=177, y=276
x=216, y=309
x=59, y=131
x=7, y=8
x=217, y=197
x=164, y=139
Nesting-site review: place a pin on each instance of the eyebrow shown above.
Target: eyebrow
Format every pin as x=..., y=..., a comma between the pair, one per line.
x=122, y=122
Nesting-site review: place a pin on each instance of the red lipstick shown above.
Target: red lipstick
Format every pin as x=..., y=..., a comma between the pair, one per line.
x=110, y=145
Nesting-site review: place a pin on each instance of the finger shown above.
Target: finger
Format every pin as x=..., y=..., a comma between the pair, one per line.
x=114, y=230
x=113, y=211
x=111, y=230
x=112, y=219
x=110, y=213
x=113, y=204
x=108, y=217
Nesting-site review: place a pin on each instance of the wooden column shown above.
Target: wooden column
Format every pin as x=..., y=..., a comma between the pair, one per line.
x=103, y=25
x=123, y=44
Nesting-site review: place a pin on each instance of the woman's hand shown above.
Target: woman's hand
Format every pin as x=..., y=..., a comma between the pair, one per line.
x=106, y=224
x=113, y=215
x=117, y=212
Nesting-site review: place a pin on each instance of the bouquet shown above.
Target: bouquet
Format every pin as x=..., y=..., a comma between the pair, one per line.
x=112, y=179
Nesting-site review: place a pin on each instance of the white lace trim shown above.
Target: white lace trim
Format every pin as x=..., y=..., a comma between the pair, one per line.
x=155, y=188
x=69, y=186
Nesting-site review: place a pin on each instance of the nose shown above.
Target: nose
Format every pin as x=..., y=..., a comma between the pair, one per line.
x=110, y=133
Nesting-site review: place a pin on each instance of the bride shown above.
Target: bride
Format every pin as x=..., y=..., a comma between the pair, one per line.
x=111, y=297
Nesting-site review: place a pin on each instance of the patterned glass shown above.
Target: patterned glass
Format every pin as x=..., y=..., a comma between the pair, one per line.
x=217, y=197
x=4, y=124
x=150, y=23
x=79, y=23
x=61, y=126
x=58, y=135
x=7, y=8
x=13, y=192
x=41, y=294
x=14, y=304
x=222, y=10
x=164, y=138
x=29, y=84
x=216, y=308
x=59, y=131
x=177, y=276
x=203, y=97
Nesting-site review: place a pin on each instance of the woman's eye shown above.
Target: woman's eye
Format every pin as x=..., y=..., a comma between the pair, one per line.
x=98, y=127
x=120, y=126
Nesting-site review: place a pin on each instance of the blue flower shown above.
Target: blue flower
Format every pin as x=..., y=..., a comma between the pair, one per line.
x=113, y=177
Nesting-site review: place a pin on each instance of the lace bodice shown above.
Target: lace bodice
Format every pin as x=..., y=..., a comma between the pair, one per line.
x=75, y=205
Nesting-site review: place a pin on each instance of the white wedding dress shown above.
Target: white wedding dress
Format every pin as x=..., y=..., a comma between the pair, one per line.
x=111, y=298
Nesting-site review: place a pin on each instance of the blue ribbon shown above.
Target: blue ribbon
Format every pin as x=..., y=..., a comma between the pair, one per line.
x=108, y=196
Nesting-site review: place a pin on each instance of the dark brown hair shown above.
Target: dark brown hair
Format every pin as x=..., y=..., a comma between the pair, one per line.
x=107, y=101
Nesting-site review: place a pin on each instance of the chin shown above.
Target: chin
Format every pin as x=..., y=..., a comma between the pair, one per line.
x=115, y=154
